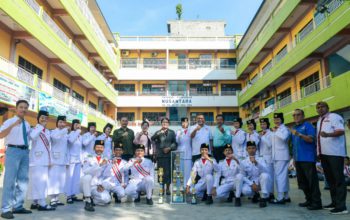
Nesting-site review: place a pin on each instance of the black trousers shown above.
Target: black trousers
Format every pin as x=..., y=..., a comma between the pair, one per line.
x=308, y=182
x=333, y=167
x=219, y=153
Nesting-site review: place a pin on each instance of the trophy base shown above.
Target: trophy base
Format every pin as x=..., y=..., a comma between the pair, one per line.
x=193, y=200
x=160, y=200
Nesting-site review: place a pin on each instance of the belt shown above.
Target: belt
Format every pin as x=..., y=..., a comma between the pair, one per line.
x=23, y=147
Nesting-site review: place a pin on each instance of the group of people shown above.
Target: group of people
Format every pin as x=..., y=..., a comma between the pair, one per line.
x=222, y=163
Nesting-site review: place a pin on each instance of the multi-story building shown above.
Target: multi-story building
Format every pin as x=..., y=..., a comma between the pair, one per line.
x=191, y=70
x=294, y=54
x=59, y=55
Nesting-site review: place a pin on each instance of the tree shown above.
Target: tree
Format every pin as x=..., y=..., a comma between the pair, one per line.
x=179, y=11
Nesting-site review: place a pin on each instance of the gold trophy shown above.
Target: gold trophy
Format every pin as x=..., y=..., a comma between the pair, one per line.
x=161, y=185
x=193, y=179
x=178, y=192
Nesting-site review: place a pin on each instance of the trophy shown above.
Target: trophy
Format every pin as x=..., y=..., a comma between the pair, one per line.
x=178, y=192
x=161, y=185
x=193, y=179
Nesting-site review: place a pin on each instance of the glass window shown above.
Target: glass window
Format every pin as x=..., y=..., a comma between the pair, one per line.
x=59, y=85
x=282, y=53
x=92, y=105
x=153, y=116
x=284, y=94
x=229, y=116
x=157, y=63
x=227, y=63
x=78, y=96
x=230, y=89
x=310, y=85
x=129, y=62
x=177, y=88
x=267, y=67
x=157, y=89
x=201, y=89
x=25, y=64
x=125, y=88
x=339, y=62
x=205, y=60
x=209, y=116
x=129, y=115
x=269, y=102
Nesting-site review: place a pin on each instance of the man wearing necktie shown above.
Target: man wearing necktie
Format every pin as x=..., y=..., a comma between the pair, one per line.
x=15, y=131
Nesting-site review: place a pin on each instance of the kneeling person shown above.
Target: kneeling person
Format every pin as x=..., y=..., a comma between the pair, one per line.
x=253, y=177
x=204, y=167
x=91, y=181
x=142, y=176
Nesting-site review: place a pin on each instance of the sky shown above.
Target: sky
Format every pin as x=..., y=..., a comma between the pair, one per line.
x=149, y=17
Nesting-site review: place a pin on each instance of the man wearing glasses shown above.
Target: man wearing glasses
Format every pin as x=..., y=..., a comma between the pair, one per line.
x=304, y=153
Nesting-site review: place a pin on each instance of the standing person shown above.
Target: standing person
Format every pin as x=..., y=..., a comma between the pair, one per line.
x=165, y=140
x=200, y=133
x=265, y=151
x=183, y=140
x=221, y=137
x=75, y=145
x=144, y=137
x=89, y=138
x=251, y=134
x=331, y=149
x=59, y=161
x=39, y=162
x=15, y=131
x=280, y=157
x=304, y=154
x=238, y=139
x=107, y=140
x=125, y=136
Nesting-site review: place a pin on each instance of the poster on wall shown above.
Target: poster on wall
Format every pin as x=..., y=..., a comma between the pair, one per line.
x=11, y=91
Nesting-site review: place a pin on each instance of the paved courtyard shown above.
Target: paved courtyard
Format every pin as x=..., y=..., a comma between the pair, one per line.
x=219, y=210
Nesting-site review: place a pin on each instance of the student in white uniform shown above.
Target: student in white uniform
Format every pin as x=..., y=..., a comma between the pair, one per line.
x=238, y=139
x=59, y=161
x=142, y=176
x=280, y=156
x=265, y=151
x=251, y=134
x=105, y=136
x=204, y=168
x=183, y=140
x=200, y=133
x=91, y=183
x=39, y=162
x=332, y=151
x=253, y=177
x=75, y=154
x=225, y=178
x=89, y=138
x=116, y=175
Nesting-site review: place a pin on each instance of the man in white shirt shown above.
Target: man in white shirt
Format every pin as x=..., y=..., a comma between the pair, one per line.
x=200, y=133
x=15, y=131
x=332, y=151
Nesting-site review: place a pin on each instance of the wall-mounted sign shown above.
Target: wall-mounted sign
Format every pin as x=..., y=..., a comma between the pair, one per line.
x=177, y=101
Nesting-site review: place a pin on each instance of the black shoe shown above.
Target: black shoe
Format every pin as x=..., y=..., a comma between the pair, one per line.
x=304, y=204
x=209, y=200
x=46, y=208
x=262, y=203
x=230, y=197
x=256, y=198
x=337, y=211
x=138, y=199
x=75, y=199
x=7, y=215
x=287, y=200
x=53, y=204
x=314, y=207
x=271, y=197
x=92, y=201
x=88, y=207
x=21, y=211
x=58, y=203
x=329, y=207
x=278, y=202
x=149, y=201
x=34, y=206
x=70, y=201
x=238, y=202
x=205, y=197
x=115, y=196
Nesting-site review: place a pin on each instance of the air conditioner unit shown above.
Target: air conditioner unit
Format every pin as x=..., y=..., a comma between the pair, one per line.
x=125, y=53
x=154, y=54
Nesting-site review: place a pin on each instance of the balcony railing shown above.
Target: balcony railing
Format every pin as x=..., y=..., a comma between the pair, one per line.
x=33, y=81
x=137, y=123
x=174, y=38
x=178, y=93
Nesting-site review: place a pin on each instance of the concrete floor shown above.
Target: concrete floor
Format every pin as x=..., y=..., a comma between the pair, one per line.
x=219, y=210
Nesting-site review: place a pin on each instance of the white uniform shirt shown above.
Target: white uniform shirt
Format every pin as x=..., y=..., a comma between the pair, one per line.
x=265, y=146
x=228, y=172
x=93, y=167
x=253, y=137
x=183, y=139
x=280, y=148
x=75, y=145
x=140, y=171
x=204, y=135
x=238, y=143
x=116, y=174
x=108, y=145
x=40, y=154
x=250, y=171
x=88, y=143
x=59, y=146
x=15, y=137
x=203, y=169
x=334, y=146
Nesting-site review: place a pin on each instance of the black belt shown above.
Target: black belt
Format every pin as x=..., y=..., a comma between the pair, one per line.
x=23, y=147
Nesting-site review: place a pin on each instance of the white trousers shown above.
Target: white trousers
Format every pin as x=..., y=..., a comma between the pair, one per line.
x=136, y=186
x=118, y=189
x=223, y=191
x=100, y=198
x=246, y=190
x=281, y=177
x=57, y=179
x=73, y=179
x=37, y=187
x=187, y=167
x=271, y=173
x=204, y=183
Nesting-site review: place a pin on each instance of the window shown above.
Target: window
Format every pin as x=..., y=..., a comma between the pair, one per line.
x=201, y=89
x=310, y=85
x=269, y=102
x=229, y=116
x=129, y=115
x=227, y=63
x=284, y=98
x=157, y=63
x=129, y=63
x=209, y=116
x=153, y=116
x=78, y=96
x=230, y=89
x=284, y=94
x=25, y=64
x=125, y=88
x=254, y=79
x=282, y=53
x=266, y=68
x=204, y=61
x=153, y=89
x=92, y=105
x=177, y=88
x=305, y=31
x=59, y=85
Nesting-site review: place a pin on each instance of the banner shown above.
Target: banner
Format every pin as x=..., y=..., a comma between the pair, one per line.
x=11, y=91
x=177, y=101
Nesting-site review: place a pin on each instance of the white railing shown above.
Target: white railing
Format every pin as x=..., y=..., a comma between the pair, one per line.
x=34, y=5
x=172, y=123
x=84, y=8
x=16, y=71
x=48, y=20
x=178, y=93
x=175, y=38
